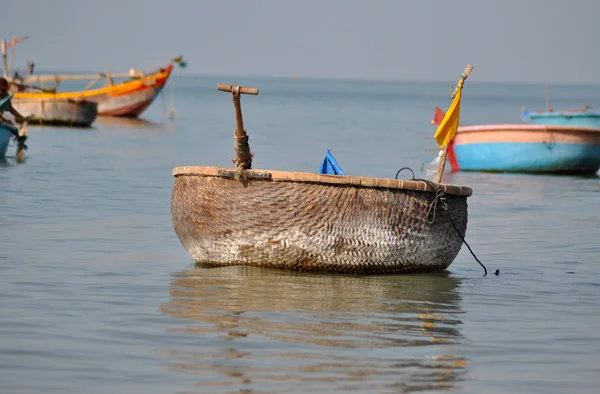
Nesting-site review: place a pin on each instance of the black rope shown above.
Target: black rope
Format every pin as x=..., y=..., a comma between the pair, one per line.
x=463, y=239
x=440, y=196
x=405, y=168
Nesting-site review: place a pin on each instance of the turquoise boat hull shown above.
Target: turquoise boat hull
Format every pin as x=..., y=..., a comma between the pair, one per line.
x=537, y=149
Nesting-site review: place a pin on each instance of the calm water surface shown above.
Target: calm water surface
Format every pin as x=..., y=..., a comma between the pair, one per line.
x=97, y=294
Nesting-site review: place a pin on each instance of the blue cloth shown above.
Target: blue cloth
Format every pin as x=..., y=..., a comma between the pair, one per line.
x=330, y=165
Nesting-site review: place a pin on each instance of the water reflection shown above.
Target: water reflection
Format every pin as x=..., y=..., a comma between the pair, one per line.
x=257, y=329
x=120, y=121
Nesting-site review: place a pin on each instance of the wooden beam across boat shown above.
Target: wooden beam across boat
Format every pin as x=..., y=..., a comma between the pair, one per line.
x=77, y=77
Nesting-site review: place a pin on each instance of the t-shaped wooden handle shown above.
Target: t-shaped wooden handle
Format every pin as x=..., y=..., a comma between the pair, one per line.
x=243, y=158
x=233, y=88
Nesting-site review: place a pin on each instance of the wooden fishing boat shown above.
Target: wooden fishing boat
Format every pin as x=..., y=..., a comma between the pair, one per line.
x=525, y=148
x=314, y=222
x=56, y=111
x=128, y=98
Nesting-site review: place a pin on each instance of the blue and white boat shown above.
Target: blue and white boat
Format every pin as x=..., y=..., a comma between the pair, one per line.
x=544, y=148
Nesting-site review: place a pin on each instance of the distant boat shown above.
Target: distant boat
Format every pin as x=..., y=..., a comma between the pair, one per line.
x=525, y=148
x=128, y=98
x=575, y=117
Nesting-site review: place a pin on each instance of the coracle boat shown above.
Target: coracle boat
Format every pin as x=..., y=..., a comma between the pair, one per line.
x=314, y=222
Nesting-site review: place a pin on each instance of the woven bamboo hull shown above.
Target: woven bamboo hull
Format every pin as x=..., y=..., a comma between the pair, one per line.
x=62, y=112
x=307, y=226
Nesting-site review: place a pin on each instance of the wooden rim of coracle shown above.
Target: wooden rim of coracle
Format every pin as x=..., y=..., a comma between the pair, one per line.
x=306, y=177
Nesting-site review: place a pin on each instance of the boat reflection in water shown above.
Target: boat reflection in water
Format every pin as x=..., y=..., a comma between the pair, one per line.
x=132, y=123
x=253, y=329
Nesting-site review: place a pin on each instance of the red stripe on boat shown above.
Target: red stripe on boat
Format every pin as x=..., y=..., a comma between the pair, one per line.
x=452, y=157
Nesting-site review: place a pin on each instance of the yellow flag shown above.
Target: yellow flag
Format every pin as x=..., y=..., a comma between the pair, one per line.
x=449, y=125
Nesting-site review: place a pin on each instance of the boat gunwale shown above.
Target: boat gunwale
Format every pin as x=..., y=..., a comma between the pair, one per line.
x=75, y=100
x=323, y=179
x=564, y=114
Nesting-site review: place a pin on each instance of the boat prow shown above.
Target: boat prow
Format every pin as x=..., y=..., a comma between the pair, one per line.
x=136, y=98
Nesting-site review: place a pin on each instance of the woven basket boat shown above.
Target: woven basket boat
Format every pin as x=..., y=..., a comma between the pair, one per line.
x=313, y=222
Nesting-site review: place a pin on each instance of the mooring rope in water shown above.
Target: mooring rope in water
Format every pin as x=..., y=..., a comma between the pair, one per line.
x=440, y=196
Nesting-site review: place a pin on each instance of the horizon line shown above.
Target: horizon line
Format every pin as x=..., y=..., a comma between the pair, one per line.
x=332, y=78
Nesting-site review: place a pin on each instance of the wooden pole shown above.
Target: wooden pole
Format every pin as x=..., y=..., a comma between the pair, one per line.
x=442, y=165
x=91, y=84
x=547, y=94
x=4, y=65
x=20, y=85
x=12, y=55
x=77, y=77
x=463, y=77
x=243, y=159
x=109, y=80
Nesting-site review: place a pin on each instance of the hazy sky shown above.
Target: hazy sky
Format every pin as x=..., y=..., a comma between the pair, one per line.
x=546, y=41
